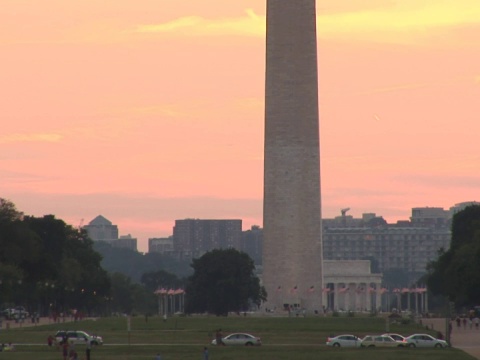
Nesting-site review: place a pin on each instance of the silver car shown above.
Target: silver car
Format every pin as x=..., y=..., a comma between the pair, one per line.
x=425, y=340
x=240, y=339
x=344, y=341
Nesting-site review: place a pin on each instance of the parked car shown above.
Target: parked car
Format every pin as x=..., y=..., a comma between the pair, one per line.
x=240, y=339
x=396, y=337
x=425, y=340
x=344, y=341
x=15, y=313
x=77, y=337
x=381, y=341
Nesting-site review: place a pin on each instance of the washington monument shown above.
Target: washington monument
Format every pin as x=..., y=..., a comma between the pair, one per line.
x=292, y=254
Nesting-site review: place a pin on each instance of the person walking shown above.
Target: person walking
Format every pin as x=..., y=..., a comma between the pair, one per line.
x=205, y=353
x=88, y=349
x=65, y=349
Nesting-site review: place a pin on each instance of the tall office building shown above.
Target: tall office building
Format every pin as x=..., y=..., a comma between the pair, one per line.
x=194, y=237
x=292, y=254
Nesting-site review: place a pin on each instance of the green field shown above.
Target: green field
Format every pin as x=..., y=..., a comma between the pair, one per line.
x=184, y=338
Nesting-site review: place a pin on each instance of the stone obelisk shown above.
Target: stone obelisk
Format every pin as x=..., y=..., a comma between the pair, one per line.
x=292, y=254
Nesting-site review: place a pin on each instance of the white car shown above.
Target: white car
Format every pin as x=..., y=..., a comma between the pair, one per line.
x=240, y=339
x=78, y=337
x=344, y=341
x=425, y=340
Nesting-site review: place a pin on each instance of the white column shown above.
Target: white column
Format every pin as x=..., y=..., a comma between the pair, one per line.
x=426, y=302
x=349, y=297
x=335, y=296
x=378, y=295
x=368, y=298
x=356, y=298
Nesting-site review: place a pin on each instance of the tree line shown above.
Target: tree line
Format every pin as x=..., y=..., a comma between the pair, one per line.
x=51, y=267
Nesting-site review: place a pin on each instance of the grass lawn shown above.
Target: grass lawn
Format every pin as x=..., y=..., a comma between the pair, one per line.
x=184, y=338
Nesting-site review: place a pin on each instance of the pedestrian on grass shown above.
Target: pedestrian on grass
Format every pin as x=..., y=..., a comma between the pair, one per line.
x=219, y=337
x=65, y=349
x=88, y=349
x=205, y=353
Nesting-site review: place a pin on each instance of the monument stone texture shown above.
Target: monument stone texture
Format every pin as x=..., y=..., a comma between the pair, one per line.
x=292, y=254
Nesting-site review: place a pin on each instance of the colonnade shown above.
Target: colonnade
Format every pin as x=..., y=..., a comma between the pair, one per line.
x=365, y=296
x=353, y=296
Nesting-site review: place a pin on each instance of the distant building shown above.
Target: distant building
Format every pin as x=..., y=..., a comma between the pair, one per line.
x=125, y=241
x=368, y=219
x=460, y=206
x=161, y=245
x=101, y=228
x=407, y=248
x=194, y=237
x=430, y=216
x=252, y=244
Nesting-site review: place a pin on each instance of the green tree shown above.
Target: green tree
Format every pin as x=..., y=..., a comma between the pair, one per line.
x=223, y=281
x=48, y=265
x=20, y=256
x=70, y=263
x=161, y=279
x=129, y=297
x=8, y=212
x=456, y=272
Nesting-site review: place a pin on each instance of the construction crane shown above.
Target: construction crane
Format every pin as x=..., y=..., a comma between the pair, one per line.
x=344, y=211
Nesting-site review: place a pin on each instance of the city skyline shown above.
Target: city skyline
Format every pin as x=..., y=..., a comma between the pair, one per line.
x=150, y=112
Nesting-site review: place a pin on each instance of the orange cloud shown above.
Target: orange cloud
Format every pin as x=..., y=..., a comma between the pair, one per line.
x=407, y=23
x=250, y=24
x=18, y=138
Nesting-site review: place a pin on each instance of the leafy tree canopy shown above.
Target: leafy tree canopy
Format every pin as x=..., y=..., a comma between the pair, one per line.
x=456, y=272
x=8, y=212
x=43, y=261
x=223, y=281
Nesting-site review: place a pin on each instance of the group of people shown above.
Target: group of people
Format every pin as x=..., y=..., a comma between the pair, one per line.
x=68, y=348
x=469, y=321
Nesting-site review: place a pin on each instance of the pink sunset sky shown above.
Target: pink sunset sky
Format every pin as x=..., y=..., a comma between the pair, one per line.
x=148, y=111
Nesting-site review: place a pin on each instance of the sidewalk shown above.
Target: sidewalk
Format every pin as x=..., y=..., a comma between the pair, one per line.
x=465, y=339
x=12, y=324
